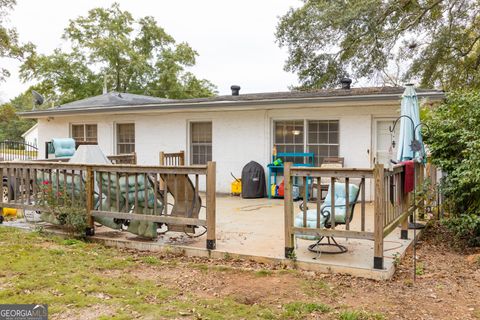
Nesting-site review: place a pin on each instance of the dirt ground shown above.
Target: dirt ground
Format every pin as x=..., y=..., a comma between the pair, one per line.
x=447, y=284
x=89, y=281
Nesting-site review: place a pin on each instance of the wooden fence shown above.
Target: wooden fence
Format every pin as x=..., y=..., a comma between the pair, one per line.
x=100, y=188
x=391, y=205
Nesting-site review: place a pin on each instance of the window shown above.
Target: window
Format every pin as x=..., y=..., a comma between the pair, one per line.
x=125, y=138
x=323, y=139
x=84, y=132
x=289, y=137
x=200, y=142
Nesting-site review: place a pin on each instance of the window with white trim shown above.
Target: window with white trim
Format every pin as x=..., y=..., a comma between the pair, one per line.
x=84, y=132
x=289, y=137
x=322, y=138
x=200, y=142
x=125, y=138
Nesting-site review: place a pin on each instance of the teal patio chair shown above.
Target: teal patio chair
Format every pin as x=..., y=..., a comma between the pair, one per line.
x=325, y=217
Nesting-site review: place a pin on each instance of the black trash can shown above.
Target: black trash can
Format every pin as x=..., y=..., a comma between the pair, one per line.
x=253, y=181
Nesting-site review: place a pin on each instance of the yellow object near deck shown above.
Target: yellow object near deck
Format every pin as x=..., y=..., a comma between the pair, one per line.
x=9, y=212
x=236, y=187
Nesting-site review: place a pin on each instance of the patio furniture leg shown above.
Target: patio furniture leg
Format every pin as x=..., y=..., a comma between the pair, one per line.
x=331, y=242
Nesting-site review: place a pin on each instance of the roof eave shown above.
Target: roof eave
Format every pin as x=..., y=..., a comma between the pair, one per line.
x=30, y=130
x=434, y=95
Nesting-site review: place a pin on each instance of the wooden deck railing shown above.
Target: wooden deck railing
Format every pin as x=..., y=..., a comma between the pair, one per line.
x=128, y=158
x=172, y=158
x=391, y=205
x=100, y=189
x=28, y=184
x=317, y=176
x=396, y=203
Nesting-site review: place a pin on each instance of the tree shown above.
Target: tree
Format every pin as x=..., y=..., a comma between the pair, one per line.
x=453, y=138
x=11, y=126
x=438, y=41
x=9, y=44
x=135, y=56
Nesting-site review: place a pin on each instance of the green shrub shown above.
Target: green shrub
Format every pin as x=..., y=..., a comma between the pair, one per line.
x=453, y=139
x=465, y=228
x=59, y=208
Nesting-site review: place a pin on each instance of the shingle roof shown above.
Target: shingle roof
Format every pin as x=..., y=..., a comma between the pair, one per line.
x=125, y=102
x=113, y=99
x=306, y=94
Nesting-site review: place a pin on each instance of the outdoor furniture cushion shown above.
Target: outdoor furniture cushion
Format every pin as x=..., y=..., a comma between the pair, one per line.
x=68, y=183
x=64, y=147
x=127, y=190
x=340, y=209
x=126, y=186
x=340, y=200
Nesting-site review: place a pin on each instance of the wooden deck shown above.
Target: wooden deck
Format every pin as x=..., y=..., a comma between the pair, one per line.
x=253, y=229
x=257, y=229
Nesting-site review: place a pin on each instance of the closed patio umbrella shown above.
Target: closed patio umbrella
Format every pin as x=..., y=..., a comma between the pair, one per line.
x=409, y=125
x=410, y=137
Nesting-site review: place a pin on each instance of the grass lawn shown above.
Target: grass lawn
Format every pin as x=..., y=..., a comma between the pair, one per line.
x=89, y=281
x=82, y=280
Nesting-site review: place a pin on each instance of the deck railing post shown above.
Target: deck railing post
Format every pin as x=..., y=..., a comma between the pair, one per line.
x=211, y=205
x=378, y=176
x=432, y=173
x=288, y=207
x=181, y=158
x=162, y=158
x=161, y=161
x=90, y=191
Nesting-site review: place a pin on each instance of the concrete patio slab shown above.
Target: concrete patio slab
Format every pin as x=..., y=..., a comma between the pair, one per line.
x=254, y=229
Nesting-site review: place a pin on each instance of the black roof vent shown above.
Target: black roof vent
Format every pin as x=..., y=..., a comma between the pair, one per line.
x=235, y=90
x=346, y=82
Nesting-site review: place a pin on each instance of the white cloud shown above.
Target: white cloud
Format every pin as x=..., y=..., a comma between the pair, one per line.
x=235, y=39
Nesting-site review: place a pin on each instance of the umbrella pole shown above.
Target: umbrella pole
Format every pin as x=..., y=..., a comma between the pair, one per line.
x=413, y=224
x=413, y=219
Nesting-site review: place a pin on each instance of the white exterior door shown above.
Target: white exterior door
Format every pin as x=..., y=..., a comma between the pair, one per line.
x=384, y=151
